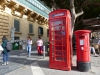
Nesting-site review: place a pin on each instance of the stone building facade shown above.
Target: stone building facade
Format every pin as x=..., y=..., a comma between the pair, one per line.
x=27, y=17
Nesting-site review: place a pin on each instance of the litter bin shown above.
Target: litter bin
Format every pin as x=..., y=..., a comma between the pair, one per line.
x=48, y=48
x=15, y=46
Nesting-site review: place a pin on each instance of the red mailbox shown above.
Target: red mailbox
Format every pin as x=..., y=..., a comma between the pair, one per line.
x=83, y=50
x=60, y=42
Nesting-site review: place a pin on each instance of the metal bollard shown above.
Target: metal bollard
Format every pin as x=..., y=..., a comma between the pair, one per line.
x=43, y=51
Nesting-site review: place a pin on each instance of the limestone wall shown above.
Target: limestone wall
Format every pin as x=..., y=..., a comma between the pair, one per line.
x=7, y=22
x=4, y=25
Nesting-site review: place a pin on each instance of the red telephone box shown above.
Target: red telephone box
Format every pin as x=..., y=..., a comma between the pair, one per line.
x=83, y=50
x=60, y=41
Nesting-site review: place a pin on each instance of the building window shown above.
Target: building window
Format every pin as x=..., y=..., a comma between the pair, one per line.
x=17, y=25
x=30, y=28
x=16, y=38
x=47, y=32
x=40, y=31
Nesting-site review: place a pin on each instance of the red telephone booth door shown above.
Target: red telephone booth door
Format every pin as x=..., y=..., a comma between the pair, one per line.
x=60, y=40
x=58, y=44
x=57, y=41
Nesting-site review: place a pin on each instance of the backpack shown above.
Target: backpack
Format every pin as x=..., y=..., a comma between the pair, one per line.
x=9, y=46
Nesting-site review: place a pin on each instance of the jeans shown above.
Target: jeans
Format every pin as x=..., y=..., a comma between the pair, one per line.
x=29, y=49
x=6, y=57
x=92, y=49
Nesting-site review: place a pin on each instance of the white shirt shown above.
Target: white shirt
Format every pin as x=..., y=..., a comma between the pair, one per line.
x=39, y=42
x=29, y=41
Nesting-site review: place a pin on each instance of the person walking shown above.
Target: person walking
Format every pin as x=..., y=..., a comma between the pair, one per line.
x=40, y=46
x=5, y=51
x=29, y=46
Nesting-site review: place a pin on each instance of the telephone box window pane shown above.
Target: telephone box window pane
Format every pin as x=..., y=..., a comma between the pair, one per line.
x=58, y=42
x=58, y=32
x=63, y=37
x=58, y=28
x=52, y=47
x=63, y=47
x=64, y=59
x=53, y=33
x=59, y=22
x=63, y=27
x=53, y=38
x=63, y=33
x=52, y=50
x=52, y=28
x=53, y=42
x=58, y=38
x=58, y=47
x=53, y=58
x=58, y=53
x=64, y=53
x=52, y=24
x=59, y=58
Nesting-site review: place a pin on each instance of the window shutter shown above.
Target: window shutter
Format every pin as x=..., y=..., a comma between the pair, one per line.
x=16, y=25
x=40, y=31
x=30, y=28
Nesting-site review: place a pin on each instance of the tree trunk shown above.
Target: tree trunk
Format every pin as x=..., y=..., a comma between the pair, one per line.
x=73, y=19
x=74, y=15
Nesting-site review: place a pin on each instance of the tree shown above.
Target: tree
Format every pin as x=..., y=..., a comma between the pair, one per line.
x=77, y=8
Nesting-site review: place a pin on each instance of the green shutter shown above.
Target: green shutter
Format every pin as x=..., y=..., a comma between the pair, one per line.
x=16, y=25
x=30, y=28
x=40, y=31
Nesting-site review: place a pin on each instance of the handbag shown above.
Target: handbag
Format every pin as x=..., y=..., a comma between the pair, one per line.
x=41, y=48
x=1, y=49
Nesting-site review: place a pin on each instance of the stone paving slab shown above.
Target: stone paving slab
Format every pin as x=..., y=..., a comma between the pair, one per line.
x=24, y=70
x=9, y=68
x=18, y=60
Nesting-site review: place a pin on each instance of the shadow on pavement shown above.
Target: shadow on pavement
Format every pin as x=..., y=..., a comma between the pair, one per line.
x=45, y=64
x=23, y=61
x=74, y=68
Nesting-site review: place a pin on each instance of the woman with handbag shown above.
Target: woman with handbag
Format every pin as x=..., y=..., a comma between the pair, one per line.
x=5, y=52
x=29, y=46
x=40, y=46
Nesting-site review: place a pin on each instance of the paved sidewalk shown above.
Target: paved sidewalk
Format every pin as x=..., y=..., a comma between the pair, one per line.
x=20, y=64
x=95, y=68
